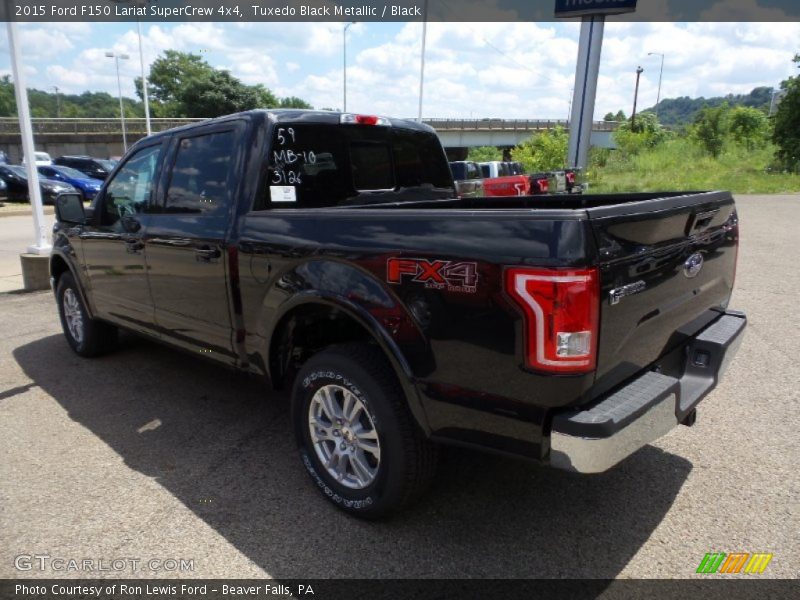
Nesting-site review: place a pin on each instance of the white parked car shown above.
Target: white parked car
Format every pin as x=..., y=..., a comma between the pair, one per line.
x=41, y=159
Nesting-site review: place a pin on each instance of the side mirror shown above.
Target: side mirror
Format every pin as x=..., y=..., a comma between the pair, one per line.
x=69, y=209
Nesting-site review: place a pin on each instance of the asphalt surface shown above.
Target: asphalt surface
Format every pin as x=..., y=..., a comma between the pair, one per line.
x=151, y=454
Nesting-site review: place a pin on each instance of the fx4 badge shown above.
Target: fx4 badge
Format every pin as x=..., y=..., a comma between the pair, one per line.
x=435, y=274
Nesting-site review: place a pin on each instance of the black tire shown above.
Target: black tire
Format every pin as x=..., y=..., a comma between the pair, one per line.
x=407, y=461
x=92, y=337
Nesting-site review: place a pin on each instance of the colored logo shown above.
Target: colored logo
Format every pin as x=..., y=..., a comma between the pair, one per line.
x=435, y=274
x=735, y=562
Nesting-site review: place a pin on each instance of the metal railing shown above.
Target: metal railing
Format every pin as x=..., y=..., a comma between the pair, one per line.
x=10, y=125
x=509, y=124
x=74, y=126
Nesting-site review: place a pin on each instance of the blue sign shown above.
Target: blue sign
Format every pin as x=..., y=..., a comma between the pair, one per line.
x=580, y=8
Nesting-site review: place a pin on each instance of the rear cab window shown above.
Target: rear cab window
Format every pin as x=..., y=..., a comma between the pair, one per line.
x=317, y=165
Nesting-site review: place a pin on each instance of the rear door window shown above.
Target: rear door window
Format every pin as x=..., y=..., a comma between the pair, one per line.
x=200, y=181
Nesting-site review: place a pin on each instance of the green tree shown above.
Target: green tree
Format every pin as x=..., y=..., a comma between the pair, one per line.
x=711, y=127
x=618, y=116
x=294, y=102
x=168, y=78
x=182, y=84
x=220, y=93
x=8, y=102
x=786, y=131
x=484, y=154
x=544, y=151
x=632, y=138
x=749, y=126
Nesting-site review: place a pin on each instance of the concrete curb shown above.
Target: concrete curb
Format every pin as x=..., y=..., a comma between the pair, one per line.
x=48, y=210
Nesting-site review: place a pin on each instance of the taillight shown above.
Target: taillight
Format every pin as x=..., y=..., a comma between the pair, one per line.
x=351, y=119
x=571, y=178
x=543, y=185
x=561, y=309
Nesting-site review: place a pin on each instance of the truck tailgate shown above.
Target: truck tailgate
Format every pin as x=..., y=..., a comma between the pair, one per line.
x=666, y=271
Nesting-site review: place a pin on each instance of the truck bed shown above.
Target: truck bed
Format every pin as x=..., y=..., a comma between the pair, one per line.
x=559, y=201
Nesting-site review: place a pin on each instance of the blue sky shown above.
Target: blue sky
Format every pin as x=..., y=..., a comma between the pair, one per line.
x=513, y=70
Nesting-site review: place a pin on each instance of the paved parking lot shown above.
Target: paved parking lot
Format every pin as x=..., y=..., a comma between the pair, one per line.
x=151, y=454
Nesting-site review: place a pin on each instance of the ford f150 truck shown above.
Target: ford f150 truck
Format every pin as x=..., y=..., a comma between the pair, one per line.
x=329, y=253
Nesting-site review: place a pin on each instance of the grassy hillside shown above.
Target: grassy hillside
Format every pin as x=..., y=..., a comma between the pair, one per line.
x=678, y=112
x=680, y=164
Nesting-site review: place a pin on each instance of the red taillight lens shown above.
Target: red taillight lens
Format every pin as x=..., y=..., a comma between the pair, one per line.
x=351, y=119
x=543, y=185
x=561, y=309
x=571, y=177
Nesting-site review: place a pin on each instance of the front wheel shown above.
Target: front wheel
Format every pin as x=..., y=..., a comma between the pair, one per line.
x=86, y=336
x=357, y=438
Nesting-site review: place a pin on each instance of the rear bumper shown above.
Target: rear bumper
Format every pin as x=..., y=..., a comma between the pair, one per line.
x=594, y=440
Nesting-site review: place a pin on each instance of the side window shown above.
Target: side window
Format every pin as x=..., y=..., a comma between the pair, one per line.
x=130, y=189
x=199, y=182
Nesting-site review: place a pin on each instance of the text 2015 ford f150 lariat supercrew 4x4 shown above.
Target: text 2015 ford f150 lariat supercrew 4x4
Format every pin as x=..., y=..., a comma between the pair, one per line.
x=328, y=253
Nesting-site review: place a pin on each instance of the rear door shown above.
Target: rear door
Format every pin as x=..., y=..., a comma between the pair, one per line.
x=667, y=268
x=187, y=250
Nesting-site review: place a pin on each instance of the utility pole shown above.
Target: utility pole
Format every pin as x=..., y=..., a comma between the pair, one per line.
x=422, y=60
x=639, y=71
x=660, y=77
x=58, y=102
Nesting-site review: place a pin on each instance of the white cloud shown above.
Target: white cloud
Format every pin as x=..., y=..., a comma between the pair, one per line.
x=514, y=70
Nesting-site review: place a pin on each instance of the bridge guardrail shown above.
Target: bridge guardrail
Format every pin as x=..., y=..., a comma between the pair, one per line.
x=74, y=126
x=10, y=125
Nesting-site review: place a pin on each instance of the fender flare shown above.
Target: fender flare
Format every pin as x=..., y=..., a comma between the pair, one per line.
x=58, y=253
x=372, y=326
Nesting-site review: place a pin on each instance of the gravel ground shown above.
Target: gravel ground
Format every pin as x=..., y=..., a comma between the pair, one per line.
x=151, y=454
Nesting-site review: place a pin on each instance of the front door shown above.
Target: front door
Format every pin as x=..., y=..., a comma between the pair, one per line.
x=187, y=253
x=113, y=246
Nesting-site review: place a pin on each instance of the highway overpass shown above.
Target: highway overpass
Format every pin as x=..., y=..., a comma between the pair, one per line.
x=103, y=137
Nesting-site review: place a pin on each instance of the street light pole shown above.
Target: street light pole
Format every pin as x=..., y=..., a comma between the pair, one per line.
x=140, y=4
x=116, y=58
x=639, y=71
x=344, y=65
x=144, y=79
x=660, y=77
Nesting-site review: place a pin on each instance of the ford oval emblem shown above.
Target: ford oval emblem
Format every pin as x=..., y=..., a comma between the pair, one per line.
x=693, y=265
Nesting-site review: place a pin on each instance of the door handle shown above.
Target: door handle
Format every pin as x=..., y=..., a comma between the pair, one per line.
x=207, y=253
x=134, y=246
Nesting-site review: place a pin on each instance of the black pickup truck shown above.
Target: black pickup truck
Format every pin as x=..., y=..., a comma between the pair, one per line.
x=329, y=253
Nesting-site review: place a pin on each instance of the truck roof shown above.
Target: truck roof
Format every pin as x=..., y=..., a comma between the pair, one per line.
x=291, y=115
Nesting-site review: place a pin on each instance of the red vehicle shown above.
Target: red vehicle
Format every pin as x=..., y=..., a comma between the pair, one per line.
x=517, y=185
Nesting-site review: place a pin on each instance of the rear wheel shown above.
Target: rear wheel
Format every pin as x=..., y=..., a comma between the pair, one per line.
x=87, y=337
x=357, y=438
